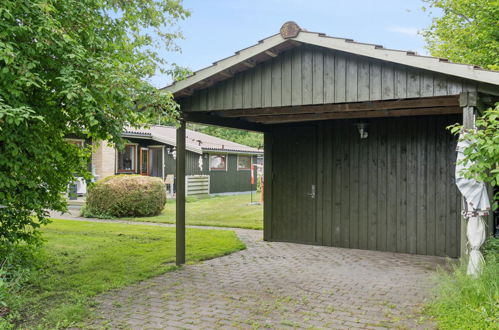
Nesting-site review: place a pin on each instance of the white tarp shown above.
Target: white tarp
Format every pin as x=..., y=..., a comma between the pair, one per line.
x=477, y=205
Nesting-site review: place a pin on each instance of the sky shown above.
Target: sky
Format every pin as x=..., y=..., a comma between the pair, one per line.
x=218, y=28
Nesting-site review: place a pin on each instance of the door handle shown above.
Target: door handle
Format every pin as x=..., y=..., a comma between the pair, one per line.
x=312, y=193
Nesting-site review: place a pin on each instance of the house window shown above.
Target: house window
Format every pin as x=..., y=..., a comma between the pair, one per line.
x=218, y=162
x=126, y=158
x=243, y=162
x=76, y=142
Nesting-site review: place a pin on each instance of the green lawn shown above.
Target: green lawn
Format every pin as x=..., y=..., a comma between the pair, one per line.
x=464, y=302
x=219, y=211
x=82, y=259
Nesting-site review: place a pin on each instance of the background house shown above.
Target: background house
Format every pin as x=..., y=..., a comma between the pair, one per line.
x=223, y=165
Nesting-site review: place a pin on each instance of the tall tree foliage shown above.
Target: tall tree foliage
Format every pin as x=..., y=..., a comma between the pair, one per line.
x=466, y=32
x=251, y=139
x=71, y=67
x=483, y=153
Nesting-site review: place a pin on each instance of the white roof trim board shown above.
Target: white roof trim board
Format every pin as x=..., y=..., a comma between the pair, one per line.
x=401, y=57
x=345, y=45
x=240, y=56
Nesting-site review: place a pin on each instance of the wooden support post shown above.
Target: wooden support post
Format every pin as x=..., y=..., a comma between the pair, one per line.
x=180, y=202
x=468, y=101
x=268, y=179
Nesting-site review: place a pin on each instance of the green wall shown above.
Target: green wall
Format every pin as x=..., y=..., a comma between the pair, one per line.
x=394, y=191
x=191, y=163
x=231, y=180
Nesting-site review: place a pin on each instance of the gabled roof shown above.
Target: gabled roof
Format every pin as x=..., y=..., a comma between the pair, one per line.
x=195, y=141
x=291, y=35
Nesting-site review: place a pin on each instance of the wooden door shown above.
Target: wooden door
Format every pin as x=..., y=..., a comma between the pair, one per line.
x=294, y=191
x=144, y=161
x=156, y=161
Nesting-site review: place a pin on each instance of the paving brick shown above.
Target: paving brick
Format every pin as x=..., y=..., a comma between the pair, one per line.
x=278, y=285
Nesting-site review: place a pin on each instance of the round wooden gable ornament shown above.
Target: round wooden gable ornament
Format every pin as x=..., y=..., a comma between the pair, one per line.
x=289, y=30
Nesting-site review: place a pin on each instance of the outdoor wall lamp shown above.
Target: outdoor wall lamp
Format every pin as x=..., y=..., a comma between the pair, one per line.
x=362, y=128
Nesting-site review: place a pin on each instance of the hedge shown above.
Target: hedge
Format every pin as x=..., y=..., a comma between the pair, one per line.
x=125, y=196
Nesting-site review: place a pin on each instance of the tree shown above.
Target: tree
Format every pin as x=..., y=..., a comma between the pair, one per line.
x=483, y=153
x=466, y=32
x=72, y=67
x=251, y=139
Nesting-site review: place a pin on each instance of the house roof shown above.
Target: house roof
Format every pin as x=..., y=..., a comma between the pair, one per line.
x=291, y=35
x=195, y=141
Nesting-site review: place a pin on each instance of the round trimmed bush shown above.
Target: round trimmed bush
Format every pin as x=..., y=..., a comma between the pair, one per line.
x=125, y=195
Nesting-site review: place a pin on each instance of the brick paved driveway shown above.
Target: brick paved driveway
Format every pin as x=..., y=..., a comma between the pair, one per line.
x=278, y=285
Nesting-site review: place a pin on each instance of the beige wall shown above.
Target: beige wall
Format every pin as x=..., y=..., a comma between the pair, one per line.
x=104, y=160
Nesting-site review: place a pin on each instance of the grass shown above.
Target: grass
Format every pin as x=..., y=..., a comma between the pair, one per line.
x=82, y=259
x=218, y=211
x=463, y=302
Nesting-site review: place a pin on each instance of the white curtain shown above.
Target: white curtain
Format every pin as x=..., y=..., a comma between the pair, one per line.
x=477, y=206
x=81, y=186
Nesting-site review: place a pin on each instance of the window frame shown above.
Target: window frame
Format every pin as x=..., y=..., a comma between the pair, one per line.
x=219, y=169
x=78, y=142
x=141, y=161
x=134, y=164
x=244, y=168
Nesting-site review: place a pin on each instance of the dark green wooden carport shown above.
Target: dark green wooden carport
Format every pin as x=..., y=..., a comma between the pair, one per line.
x=392, y=190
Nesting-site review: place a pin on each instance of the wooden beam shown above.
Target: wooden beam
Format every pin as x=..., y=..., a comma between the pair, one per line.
x=278, y=119
x=345, y=107
x=250, y=64
x=187, y=92
x=267, y=190
x=180, y=198
x=271, y=53
x=226, y=74
x=468, y=123
x=468, y=99
x=204, y=118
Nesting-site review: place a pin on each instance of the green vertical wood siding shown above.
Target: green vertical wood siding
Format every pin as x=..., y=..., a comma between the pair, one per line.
x=191, y=163
x=314, y=75
x=294, y=162
x=394, y=191
x=231, y=180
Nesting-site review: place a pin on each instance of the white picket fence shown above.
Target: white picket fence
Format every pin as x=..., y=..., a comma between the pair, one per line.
x=197, y=185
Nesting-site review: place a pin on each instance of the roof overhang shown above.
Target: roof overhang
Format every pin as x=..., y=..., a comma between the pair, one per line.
x=227, y=67
x=292, y=35
x=161, y=139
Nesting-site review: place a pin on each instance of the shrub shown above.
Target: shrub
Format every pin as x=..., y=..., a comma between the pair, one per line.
x=125, y=195
x=491, y=249
x=17, y=263
x=464, y=302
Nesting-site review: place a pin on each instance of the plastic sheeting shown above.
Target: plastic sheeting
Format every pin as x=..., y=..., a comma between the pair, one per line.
x=477, y=205
x=475, y=231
